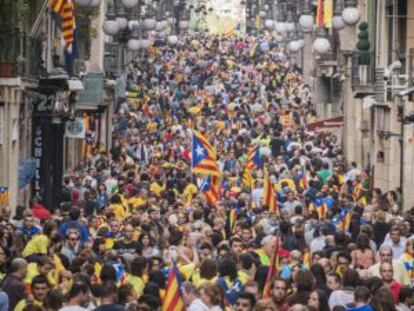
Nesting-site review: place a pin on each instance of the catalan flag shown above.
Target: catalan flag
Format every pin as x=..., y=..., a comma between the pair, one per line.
x=272, y=271
x=247, y=178
x=320, y=206
x=203, y=156
x=344, y=220
x=172, y=300
x=64, y=8
x=269, y=198
x=4, y=196
x=303, y=182
x=254, y=160
x=253, y=50
x=233, y=217
x=211, y=189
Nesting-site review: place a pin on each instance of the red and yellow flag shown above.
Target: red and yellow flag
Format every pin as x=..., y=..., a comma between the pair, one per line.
x=273, y=270
x=247, y=178
x=269, y=198
x=173, y=300
x=320, y=14
x=65, y=9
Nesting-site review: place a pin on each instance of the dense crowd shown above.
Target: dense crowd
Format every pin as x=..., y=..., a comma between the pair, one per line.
x=139, y=229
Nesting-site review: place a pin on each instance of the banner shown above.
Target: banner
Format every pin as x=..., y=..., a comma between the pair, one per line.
x=328, y=13
x=4, y=196
x=75, y=129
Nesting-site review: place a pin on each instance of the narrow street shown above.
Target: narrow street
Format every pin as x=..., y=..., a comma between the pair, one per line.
x=206, y=155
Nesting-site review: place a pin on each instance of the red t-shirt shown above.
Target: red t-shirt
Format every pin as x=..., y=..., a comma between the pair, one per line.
x=395, y=290
x=40, y=212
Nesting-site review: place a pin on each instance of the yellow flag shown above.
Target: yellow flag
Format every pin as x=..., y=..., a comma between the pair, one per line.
x=328, y=13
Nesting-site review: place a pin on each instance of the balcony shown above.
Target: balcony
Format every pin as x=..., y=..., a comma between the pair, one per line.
x=363, y=70
x=20, y=56
x=111, y=60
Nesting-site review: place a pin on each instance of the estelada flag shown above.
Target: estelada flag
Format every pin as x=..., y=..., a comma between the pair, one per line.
x=203, y=156
x=254, y=160
x=211, y=189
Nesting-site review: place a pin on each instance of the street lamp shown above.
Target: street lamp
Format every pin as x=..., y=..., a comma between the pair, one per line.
x=337, y=21
x=351, y=14
x=321, y=45
x=88, y=3
x=110, y=25
x=121, y=18
x=306, y=19
x=130, y=4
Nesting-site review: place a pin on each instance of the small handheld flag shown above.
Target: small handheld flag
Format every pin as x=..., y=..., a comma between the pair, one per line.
x=254, y=160
x=269, y=198
x=273, y=270
x=211, y=189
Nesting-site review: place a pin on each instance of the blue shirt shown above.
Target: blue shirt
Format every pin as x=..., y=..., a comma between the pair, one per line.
x=83, y=230
x=362, y=308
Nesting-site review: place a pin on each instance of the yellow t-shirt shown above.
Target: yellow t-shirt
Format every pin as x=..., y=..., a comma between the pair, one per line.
x=190, y=190
x=136, y=202
x=33, y=270
x=137, y=282
x=156, y=188
x=37, y=245
x=187, y=270
x=22, y=304
x=119, y=211
x=197, y=280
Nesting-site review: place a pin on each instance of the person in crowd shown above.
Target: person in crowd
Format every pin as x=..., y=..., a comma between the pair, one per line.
x=77, y=297
x=216, y=193
x=13, y=284
x=318, y=301
x=39, y=289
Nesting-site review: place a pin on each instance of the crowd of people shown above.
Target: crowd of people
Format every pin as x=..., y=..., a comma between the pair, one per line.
x=138, y=229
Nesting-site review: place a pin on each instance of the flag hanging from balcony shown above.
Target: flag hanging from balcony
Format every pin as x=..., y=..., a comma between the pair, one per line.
x=328, y=13
x=64, y=14
x=64, y=8
x=319, y=14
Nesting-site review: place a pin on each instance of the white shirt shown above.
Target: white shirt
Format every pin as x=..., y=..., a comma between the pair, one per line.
x=197, y=305
x=317, y=244
x=397, y=249
x=73, y=308
x=257, y=195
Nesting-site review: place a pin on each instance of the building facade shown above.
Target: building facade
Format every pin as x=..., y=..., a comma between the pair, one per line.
x=38, y=99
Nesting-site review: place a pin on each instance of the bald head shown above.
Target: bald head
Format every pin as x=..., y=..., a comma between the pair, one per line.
x=18, y=267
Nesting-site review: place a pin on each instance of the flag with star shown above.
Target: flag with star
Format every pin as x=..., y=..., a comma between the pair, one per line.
x=254, y=161
x=203, y=156
x=211, y=189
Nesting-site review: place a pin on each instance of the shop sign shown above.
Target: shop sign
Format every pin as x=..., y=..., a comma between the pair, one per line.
x=75, y=128
x=37, y=154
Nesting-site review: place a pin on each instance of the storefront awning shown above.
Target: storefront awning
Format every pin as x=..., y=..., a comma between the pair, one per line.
x=326, y=123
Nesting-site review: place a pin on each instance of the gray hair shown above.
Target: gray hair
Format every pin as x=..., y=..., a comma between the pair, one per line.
x=16, y=264
x=189, y=288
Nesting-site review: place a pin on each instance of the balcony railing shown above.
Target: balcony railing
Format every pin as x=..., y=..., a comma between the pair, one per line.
x=111, y=58
x=363, y=69
x=20, y=55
